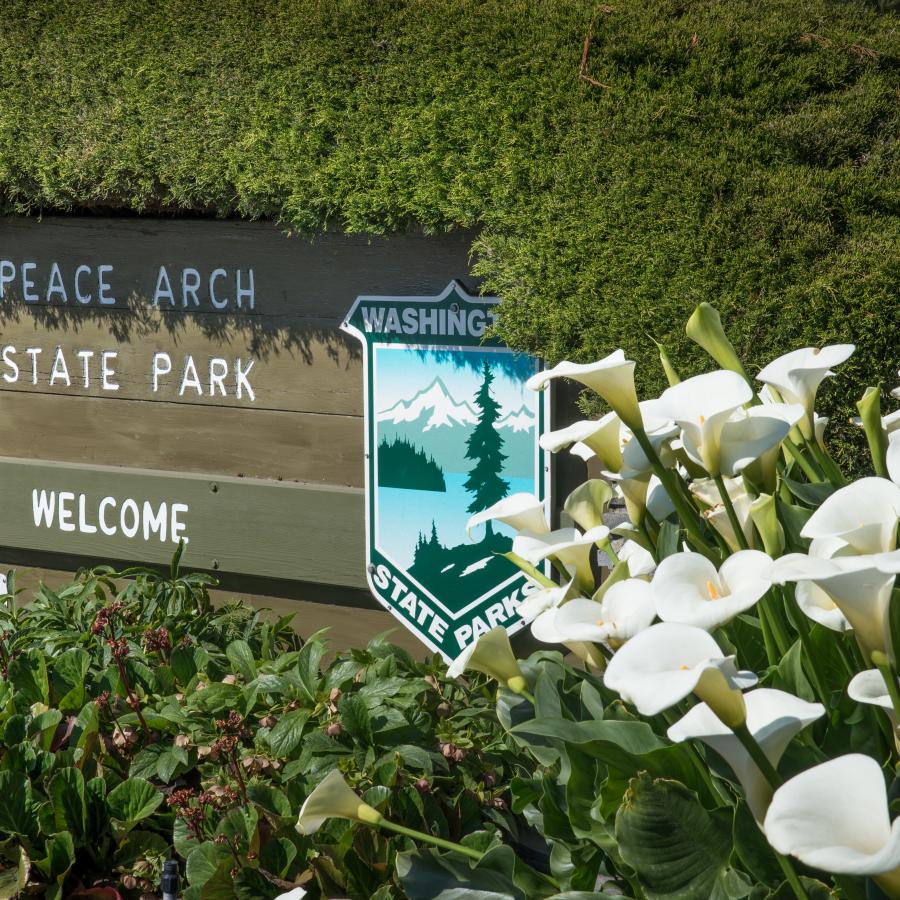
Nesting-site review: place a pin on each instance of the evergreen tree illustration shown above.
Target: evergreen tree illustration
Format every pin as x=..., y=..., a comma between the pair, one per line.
x=485, y=448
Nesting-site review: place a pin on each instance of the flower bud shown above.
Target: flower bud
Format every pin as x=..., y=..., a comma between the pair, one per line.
x=705, y=328
x=764, y=513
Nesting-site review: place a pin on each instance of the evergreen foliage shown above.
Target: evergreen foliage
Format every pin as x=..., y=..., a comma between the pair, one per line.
x=403, y=465
x=741, y=153
x=485, y=447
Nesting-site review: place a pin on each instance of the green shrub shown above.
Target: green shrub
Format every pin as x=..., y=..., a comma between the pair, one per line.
x=138, y=723
x=743, y=153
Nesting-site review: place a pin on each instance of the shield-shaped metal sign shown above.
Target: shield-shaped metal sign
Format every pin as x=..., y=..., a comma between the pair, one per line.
x=450, y=429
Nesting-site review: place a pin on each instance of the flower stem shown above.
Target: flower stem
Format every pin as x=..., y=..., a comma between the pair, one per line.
x=882, y=663
x=689, y=516
x=430, y=839
x=739, y=535
x=742, y=733
x=804, y=464
x=791, y=874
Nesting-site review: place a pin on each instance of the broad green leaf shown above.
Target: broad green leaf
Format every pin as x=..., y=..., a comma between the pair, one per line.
x=60, y=857
x=69, y=807
x=133, y=800
x=14, y=879
x=307, y=668
x=677, y=849
x=355, y=718
x=183, y=665
x=69, y=677
x=28, y=675
x=241, y=657
x=17, y=814
x=271, y=799
x=287, y=732
x=751, y=846
x=202, y=863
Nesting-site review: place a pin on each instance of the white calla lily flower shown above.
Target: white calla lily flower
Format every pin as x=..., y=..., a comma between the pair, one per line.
x=864, y=514
x=869, y=687
x=689, y=590
x=754, y=433
x=626, y=609
x=611, y=377
x=491, y=654
x=296, y=893
x=601, y=438
x=706, y=490
x=813, y=601
x=332, y=798
x=701, y=406
x=860, y=587
x=661, y=665
x=893, y=457
x=640, y=561
x=797, y=376
x=523, y=512
x=835, y=817
x=569, y=546
x=542, y=599
x=773, y=719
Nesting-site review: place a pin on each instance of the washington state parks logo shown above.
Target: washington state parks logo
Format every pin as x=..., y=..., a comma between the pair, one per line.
x=450, y=430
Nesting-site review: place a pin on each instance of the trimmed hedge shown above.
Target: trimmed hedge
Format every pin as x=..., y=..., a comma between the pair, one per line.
x=743, y=153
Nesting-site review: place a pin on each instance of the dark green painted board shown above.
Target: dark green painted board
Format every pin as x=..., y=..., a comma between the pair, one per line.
x=299, y=532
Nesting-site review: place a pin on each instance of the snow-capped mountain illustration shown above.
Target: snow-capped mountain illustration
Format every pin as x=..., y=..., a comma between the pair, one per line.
x=436, y=399
x=521, y=419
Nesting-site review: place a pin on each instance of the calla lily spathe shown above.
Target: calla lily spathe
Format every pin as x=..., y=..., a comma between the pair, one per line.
x=491, y=654
x=332, y=798
x=706, y=490
x=522, y=512
x=626, y=609
x=701, y=406
x=835, y=817
x=689, y=590
x=869, y=687
x=640, y=561
x=813, y=600
x=611, y=377
x=860, y=586
x=773, y=719
x=864, y=515
x=892, y=457
x=660, y=666
x=568, y=546
x=797, y=376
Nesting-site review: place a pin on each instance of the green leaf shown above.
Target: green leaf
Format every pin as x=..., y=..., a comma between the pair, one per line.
x=241, y=657
x=28, y=675
x=202, y=863
x=271, y=799
x=59, y=858
x=752, y=847
x=677, y=849
x=133, y=800
x=69, y=678
x=355, y=718
x=183, y=665
x=307, y=668
x=13, y=880
x=69, y=807
x=17, y=815
x=813, y=495
x=288, y=732
x=669, y=534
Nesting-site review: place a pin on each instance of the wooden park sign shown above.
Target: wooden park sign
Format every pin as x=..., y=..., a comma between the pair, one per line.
x=164, y=380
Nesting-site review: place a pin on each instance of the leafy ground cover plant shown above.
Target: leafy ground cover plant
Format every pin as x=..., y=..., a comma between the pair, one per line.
x=140, y=723
x=733, y=733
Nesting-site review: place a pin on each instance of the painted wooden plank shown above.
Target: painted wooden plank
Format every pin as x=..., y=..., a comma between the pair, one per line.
x=266, y=363
x=298, y=276
x=291, y=531
x=310, y=447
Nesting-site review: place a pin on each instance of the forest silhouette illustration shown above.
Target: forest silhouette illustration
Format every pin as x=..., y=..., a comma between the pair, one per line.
x=440, y=568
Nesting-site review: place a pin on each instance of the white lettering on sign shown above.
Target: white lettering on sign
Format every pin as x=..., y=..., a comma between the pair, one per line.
x=496, y=614
x=51, y=283
x=70, y=512
x=425, y=320
x=413, y=605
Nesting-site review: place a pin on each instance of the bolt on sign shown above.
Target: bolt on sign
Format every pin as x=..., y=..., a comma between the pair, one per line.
x=450, y=429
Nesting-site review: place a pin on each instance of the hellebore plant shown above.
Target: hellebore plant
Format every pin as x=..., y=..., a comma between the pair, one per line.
x=743, y=641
